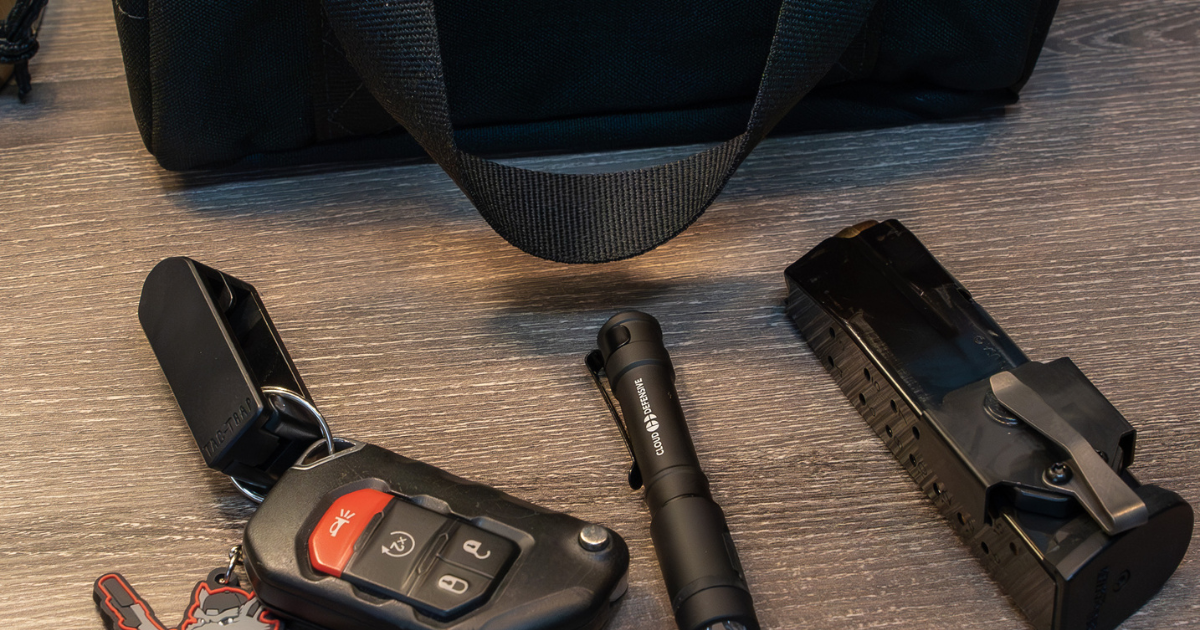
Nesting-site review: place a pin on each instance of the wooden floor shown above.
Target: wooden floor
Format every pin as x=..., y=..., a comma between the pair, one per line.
x=1073, y=219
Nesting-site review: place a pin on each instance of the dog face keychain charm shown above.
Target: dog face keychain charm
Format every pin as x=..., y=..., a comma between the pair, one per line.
x=218, y=601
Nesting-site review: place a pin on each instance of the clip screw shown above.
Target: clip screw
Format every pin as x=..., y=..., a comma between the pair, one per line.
x=593, y=537
x=1058, y=473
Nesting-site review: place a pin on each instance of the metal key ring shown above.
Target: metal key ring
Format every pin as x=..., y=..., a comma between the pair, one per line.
x=309, y=409
x=235, y=556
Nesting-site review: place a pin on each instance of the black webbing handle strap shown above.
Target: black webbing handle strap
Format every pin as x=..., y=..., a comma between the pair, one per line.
x=393, y=44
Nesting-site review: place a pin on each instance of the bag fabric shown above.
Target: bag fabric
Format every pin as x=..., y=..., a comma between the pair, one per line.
x=333, y=79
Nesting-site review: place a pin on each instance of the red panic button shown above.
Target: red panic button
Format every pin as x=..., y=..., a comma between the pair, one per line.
x=332, y=542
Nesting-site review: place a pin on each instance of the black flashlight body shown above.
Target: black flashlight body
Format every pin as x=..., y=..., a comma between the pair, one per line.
x=695, y=551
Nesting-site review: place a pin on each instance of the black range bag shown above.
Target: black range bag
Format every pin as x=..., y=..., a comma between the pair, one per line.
x=319, y=80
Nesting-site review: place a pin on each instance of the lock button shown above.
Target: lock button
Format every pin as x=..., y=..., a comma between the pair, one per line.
x=479, y=551
x=450, y=589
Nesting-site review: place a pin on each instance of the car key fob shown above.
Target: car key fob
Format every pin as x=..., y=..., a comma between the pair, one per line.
x=367, y=538
x=350, y=535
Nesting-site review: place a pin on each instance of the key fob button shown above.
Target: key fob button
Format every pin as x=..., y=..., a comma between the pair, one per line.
x=448, y=590
x=475, y=549
x=389, y=558
x=332, y=542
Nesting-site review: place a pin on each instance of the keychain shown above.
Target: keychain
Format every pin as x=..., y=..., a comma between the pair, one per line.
x=348, y=535
x=217, y=601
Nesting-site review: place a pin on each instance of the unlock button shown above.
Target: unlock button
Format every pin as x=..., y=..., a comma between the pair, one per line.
x=478, y=550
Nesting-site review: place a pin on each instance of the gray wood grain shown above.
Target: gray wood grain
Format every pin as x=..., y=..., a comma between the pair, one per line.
x=417, y=328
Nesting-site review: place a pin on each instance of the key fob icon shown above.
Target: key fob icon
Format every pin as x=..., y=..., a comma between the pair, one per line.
x=472, y=547
x=455, y=585
x=402, y=544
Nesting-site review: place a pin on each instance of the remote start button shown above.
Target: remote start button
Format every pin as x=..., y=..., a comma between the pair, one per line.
x=393, y=553
x=332, y=542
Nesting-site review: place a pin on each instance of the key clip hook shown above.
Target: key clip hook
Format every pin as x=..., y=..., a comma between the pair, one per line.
x=280, y=398
x=239, y=391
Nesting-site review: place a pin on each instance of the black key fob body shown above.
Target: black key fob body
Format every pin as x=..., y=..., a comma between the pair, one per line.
x=367, y=538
